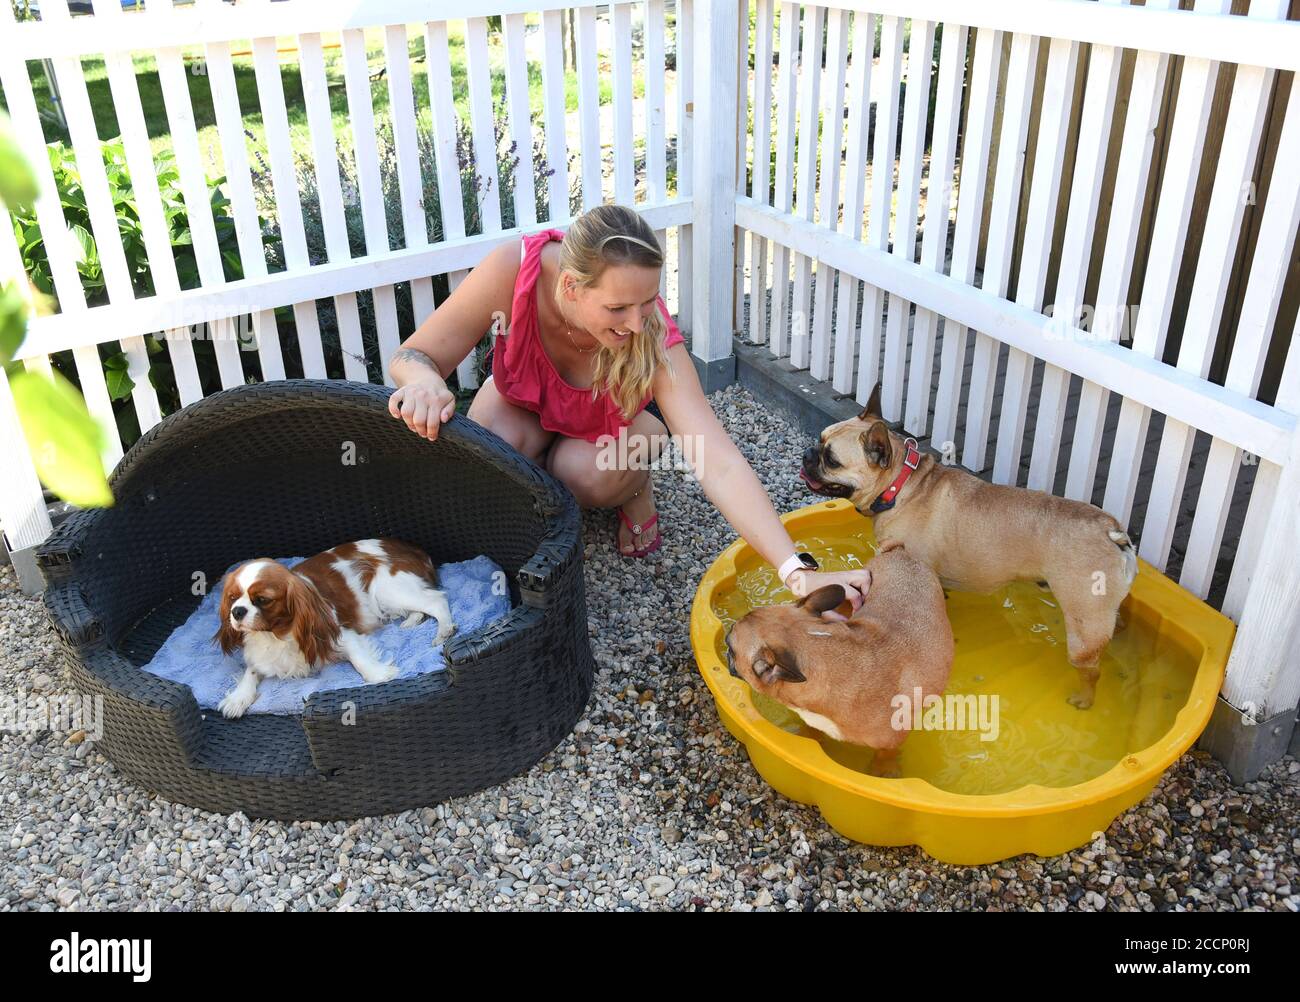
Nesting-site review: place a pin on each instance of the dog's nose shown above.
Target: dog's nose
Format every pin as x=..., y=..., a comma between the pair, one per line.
x=811, y=456
x=239, y=612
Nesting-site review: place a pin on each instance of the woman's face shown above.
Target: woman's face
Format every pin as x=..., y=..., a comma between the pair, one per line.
x=616, y=306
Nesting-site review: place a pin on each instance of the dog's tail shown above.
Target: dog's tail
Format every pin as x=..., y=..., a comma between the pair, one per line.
x=1128, y=555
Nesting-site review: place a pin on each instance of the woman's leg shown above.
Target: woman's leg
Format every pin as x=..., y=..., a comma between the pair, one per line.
x=576, y=464
x=520, y=427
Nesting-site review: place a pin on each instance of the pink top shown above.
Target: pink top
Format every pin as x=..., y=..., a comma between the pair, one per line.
x=525, y=375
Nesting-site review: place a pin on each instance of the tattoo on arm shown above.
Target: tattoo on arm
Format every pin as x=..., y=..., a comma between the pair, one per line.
x=415, y=356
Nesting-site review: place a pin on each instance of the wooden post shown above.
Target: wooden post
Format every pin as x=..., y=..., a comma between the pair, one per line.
x=714, y=198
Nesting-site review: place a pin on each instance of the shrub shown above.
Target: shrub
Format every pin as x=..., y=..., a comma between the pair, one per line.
x=473, y=183
x=90, y=267
x=72, y=196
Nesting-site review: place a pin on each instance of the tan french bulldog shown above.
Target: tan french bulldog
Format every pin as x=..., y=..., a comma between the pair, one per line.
x=978, y=536
x=842, y=674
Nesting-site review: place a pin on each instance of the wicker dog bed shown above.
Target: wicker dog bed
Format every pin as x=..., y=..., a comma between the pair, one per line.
x=295, y=467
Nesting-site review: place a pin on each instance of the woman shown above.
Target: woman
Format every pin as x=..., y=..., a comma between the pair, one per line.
x=589, y=344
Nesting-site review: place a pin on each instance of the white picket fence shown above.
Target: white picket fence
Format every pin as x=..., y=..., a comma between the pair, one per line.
x=826, y=212
x=221, y=306
x=825, y=228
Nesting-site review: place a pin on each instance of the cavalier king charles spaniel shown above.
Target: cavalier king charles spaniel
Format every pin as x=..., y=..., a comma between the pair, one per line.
x=291, y=623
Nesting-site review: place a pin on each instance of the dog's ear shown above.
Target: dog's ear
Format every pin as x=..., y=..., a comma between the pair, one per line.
x=876, y=446
x=872, y=410
x=315, y=630
x=776, y=664
x=823, y=599
x=227, y=636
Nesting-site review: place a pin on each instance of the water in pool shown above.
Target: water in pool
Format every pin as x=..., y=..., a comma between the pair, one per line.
x=1010, y=644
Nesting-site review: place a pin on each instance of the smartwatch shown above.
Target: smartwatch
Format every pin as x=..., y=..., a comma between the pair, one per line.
x=800, y=561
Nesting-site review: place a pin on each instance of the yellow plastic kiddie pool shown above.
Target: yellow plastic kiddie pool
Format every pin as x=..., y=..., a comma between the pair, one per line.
x=1011, y=767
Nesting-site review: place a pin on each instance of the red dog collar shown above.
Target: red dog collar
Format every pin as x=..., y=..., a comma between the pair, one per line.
x=911, y=460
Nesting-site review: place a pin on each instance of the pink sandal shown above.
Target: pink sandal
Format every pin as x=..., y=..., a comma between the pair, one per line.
x=636, y=530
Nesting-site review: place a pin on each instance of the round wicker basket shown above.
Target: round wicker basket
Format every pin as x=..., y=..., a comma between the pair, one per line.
x=295, y=467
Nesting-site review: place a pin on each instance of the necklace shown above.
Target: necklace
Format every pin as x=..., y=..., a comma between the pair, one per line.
x=569, y=334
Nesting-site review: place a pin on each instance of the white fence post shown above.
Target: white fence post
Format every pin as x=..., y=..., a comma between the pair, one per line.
x=24, y=521
x=1256, y=712
x=1265, y=666
x=714, y=199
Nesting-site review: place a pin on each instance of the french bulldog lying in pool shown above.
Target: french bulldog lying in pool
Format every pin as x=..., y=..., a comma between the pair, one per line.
x=841, y=675
x=978, y=536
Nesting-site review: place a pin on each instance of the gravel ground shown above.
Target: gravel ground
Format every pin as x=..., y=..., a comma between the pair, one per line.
x=650, y=804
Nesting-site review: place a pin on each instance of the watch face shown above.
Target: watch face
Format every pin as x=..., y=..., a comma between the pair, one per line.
x=808, y=561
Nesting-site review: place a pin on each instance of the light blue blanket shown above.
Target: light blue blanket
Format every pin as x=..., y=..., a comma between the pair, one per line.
x=475, y=588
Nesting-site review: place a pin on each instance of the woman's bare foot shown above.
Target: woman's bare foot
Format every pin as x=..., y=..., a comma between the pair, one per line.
x=639, y=509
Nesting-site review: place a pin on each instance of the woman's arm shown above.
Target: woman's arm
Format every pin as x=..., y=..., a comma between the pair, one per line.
x=727, y=479
x=420, y=366
x=452, y=330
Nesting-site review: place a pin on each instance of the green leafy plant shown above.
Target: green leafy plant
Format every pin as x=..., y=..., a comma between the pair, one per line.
x=64, y=441
x=72, y=198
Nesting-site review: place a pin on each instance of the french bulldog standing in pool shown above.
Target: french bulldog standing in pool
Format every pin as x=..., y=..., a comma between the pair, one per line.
x=978, y=536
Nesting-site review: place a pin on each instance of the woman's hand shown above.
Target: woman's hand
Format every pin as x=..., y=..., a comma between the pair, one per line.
x=425, y=406
x=855, y=583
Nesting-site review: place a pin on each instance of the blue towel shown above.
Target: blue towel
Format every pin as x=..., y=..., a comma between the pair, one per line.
x=475, y=588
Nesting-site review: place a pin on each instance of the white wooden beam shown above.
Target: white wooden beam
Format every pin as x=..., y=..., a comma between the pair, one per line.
x=1181, y=395
x=714, y=198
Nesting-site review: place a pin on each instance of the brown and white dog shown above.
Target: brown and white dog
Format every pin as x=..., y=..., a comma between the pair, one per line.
x=978, y=536
x=291, y=623
x=843, y=677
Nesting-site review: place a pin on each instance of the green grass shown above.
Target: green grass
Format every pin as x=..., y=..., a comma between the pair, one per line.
x=155, y=116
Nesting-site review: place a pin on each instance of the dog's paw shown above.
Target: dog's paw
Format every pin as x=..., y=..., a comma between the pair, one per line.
x=414, y=619
x=234, y=705
x=1081, y=700
x=886, y=770
x=444, y=632
x=382, y=673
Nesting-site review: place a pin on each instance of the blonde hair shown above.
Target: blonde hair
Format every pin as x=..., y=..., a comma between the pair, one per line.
x=602, y=237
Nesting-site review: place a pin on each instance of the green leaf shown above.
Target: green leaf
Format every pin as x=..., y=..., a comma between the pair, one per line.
x=86, y=242
x=117, y=361
x=160, y=376
x=18, y=187
x=31, y=237
x=64, y=441
x=234, y=263
x=120, y=383
x=13, y=320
